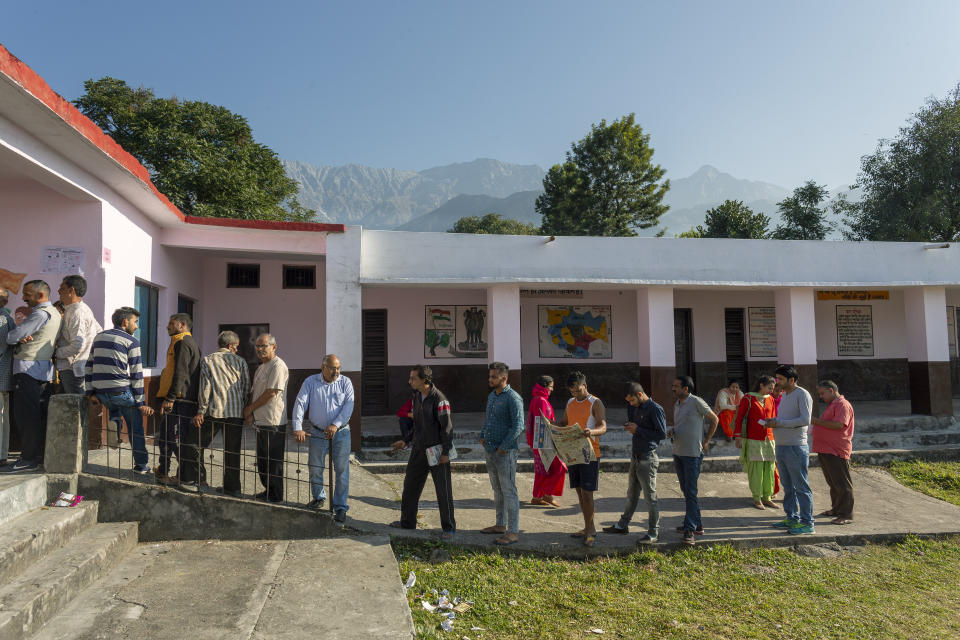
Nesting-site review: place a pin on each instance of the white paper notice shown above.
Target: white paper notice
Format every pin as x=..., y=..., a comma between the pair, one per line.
x=62, y=260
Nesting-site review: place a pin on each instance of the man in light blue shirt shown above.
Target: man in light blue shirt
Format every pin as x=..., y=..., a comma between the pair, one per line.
x=327, y=400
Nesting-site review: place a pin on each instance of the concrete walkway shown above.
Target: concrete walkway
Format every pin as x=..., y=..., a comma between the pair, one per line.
x=251, y=590
x=884, y=509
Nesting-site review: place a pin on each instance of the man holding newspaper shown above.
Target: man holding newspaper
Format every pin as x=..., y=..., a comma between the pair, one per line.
x=432, y=442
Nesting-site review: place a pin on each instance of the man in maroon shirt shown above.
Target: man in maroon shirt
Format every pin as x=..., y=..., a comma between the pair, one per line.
x=833, y=443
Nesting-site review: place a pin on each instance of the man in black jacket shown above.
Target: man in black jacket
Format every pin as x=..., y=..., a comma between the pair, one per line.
x=432, y=426
x=648, y=424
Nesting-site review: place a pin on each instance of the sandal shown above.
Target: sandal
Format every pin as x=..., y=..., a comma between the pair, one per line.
x=759, y=505
x=579, y=534
x=827, y=514
x=503, y=542
x=494, y=530
x=841, y=521
x=589, y=541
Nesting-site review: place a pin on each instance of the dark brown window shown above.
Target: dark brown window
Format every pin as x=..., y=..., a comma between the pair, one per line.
x=299, y=277
x=243, y=276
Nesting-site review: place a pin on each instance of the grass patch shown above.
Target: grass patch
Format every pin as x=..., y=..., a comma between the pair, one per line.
x=939, y=479
x=907, y=590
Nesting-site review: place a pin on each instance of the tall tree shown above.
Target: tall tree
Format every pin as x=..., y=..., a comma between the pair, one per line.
x=201, y=156
x=731, y=219
x=802, y=215
x=493, y=223
x=608, y=185
x=910, y=185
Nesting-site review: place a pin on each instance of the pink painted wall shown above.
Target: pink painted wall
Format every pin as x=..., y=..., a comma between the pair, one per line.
x=707, y=305
x=889, y=328
x=34, y=217
x=296, y=316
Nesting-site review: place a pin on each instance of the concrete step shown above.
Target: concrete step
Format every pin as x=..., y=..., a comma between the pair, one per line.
x=31, y=536
x=20, y=493
x=900, y=440
x=48, y=585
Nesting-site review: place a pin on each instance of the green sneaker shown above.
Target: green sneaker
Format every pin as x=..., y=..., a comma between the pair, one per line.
x=786, y=523
x=800, y=529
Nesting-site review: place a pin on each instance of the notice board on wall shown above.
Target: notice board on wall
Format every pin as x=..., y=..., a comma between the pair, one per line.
x=855, y=330
x=762, y=323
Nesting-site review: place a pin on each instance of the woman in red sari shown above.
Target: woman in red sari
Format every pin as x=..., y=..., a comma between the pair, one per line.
x=547, y=483
x=728, y=401
x=755, y=441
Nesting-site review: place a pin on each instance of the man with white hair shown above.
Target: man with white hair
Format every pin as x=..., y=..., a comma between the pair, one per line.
x=267, y=412
x=224, y=387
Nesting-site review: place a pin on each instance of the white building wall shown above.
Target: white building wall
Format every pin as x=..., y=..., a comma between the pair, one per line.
x=889, y=328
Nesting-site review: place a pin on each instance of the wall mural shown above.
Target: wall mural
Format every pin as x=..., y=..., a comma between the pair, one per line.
x=575, y=331
x=455, y=331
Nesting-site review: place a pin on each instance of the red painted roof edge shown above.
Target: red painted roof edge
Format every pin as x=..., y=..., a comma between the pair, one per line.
x=275, y=225
x=30, y=80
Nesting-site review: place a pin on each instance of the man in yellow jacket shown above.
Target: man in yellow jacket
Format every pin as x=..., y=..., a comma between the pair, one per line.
x=179, y=384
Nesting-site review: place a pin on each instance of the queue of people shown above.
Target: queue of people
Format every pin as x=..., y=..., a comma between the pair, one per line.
x=200, y=396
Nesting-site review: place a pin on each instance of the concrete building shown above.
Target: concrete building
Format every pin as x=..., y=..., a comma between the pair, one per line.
x=880, y=318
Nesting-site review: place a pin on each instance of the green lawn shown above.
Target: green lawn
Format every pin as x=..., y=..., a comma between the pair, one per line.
x=937, y=479
x=909, y=590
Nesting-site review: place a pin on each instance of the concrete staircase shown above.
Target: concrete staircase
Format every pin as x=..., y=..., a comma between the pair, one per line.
x=875, y=438
x=49, y=555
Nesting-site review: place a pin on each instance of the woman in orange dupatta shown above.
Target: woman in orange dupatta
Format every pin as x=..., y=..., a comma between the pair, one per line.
x=728, y=400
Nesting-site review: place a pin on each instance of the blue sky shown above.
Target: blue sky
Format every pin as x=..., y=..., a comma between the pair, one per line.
x=774, y=91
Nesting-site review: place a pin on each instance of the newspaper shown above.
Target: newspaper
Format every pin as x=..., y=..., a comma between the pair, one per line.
x=543, y=441
x=571, y=444
x=434, y=453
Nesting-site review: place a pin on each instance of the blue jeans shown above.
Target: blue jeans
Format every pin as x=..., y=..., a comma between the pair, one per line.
x=502, y=470
x=319, y=446
x=688, y=473
x=792, y=463
x=122, y=405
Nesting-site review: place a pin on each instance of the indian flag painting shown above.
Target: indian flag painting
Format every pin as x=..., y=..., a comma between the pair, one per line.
x=439, y=330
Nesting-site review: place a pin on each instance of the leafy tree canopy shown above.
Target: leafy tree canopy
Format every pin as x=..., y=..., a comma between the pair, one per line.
x=493, y=223
x=911, y=185
x=608, y=185
x=731, y=219
x=201, y=156
x=802, y=217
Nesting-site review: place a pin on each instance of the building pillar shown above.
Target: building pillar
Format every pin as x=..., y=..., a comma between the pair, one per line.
x=344, y=318
x=657, y=350
x=503, y=315
x=797, y=334
x=928, y=351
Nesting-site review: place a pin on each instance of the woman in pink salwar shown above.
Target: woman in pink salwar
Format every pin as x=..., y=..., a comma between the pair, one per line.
x=547, y=483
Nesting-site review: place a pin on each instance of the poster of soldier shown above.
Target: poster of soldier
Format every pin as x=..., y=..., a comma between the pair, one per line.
x=575, y=332
x=455, y=331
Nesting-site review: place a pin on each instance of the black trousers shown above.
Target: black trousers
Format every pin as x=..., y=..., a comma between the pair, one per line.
x=271, y=441
x=194, y=440
x=171, y=426
x=836, y=471
x=30, y=403
x=413, y=481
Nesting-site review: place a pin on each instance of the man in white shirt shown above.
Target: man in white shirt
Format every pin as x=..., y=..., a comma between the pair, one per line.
x=77, y=332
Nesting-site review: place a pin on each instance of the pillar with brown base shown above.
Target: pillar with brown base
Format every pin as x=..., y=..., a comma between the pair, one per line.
x=928, y=351
x=503, y=330
x=655, y=339
x=797, y=334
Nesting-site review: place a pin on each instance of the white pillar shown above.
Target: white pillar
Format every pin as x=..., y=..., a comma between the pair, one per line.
x=503, y=314
x=655, y=327
x=928, y=350
x=343, y=312
x=796, y=327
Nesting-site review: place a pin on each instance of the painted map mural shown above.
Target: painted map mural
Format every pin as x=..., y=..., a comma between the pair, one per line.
x=575, y=332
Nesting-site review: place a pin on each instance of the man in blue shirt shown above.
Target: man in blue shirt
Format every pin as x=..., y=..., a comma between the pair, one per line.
x=648, y=424
x=327, y=400
x=501, y=428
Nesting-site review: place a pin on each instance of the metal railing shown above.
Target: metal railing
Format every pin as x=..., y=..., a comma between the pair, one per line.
x=221, y=456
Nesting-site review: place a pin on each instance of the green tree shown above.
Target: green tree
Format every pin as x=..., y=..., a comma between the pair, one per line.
x=731, y=219
x=493, y=223
x=910, y=186
x=201, y=156
x=802, y=216
x=608, y=185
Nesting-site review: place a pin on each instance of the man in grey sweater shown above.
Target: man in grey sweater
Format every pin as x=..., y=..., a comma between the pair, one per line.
x=793, y=452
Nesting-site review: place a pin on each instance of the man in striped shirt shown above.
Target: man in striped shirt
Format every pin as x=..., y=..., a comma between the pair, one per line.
x=224, y=387
x=114, y=378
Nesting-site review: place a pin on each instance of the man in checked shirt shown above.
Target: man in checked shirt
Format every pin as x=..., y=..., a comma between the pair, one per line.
x=224, y=387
